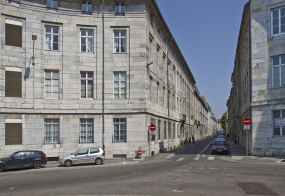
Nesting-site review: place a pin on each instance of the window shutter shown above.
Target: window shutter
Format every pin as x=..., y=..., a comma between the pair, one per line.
x=13, y=35
x=13, y=133
x=13, y=84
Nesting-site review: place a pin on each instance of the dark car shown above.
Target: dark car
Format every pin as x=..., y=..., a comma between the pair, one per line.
x=23, y=159
x=220, y=146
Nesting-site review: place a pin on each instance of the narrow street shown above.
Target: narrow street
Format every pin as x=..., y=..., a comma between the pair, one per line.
x=192, y=171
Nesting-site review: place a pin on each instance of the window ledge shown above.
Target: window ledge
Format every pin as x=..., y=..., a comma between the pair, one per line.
x=278, y=136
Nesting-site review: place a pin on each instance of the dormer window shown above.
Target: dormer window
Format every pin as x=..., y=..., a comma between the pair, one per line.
x=86, y=7
x=52, y=4
x=120, y=9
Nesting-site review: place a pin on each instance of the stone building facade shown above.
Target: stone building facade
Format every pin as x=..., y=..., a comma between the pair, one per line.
x=92, y=73
x=258, y=79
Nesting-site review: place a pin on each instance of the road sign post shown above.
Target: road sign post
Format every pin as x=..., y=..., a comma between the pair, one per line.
x=246, y=122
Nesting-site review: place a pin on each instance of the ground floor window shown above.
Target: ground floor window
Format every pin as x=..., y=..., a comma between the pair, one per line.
x=13, y=133
x=51, y=131
x=86, y=131
x=279, y=123
x=120, y=131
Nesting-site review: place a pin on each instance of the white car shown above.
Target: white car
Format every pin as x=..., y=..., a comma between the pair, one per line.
x=84, y=155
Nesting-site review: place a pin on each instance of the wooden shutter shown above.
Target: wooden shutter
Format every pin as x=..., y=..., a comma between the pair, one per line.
x=13, y=84
x=13, y=133
x=13, y=35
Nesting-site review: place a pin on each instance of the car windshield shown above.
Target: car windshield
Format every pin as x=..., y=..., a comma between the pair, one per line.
x=220, y=143
x=11, y=154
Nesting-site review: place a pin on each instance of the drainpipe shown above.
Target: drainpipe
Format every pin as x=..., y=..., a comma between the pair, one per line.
x=250, y=81
x=103, y=59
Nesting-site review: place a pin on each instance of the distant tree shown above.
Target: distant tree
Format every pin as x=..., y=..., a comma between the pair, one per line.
x=223, y=120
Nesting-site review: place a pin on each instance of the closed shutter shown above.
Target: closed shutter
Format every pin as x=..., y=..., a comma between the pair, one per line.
x=13, y=84
x=13, y=35
x=13, y=133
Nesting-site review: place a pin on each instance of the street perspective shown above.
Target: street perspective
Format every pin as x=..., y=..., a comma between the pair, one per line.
x=142, y=97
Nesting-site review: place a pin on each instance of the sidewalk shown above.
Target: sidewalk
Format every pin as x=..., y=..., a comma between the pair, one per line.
x=238, y=153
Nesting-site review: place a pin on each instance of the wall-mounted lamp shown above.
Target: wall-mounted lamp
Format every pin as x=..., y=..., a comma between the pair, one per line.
x=149, y=63
x=34, y=38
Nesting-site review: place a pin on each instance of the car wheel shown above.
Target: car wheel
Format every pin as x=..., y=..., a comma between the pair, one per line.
x=98, y=161
x=67, y=163
x=37, y=165
x=1, y=167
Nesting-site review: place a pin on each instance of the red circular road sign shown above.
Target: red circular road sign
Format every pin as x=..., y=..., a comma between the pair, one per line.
x=152, y=127
x=246, y=121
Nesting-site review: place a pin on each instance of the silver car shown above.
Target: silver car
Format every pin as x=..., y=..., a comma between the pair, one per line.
x=83, y=155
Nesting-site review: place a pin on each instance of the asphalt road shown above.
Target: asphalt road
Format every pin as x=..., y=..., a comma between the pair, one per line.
x=193, y=171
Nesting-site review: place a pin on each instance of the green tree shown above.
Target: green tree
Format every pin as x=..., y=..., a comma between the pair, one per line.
x=223, y=120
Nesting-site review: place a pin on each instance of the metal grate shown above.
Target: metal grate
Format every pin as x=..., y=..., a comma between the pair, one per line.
x=252, y=188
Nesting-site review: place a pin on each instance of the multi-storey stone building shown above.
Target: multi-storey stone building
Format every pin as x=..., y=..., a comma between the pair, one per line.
x=92, y=73
x=258, y=79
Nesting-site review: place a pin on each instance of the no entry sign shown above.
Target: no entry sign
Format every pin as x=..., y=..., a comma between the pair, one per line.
x=246, y=121
x=152, y=127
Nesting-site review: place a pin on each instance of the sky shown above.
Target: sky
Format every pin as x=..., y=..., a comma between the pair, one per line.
x=206, y=31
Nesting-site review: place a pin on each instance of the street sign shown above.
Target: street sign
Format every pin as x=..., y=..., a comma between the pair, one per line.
x=246, y=127
x=152, y=127
x=246, y=121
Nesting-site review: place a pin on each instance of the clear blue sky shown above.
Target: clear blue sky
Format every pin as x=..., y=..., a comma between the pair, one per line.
x=206, y=32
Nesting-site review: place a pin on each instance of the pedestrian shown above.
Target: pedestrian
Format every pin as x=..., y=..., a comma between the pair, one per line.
x=227, y=136
x=235, y=138
x=189, y=140
x=193, y=139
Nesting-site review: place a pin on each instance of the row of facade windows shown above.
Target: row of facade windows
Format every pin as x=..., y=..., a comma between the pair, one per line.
x=13, y=37
x=13, y=131
x=86, y=6
x=13, y=80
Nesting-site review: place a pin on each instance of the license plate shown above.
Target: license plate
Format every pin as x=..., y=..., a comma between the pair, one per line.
x=219, y=150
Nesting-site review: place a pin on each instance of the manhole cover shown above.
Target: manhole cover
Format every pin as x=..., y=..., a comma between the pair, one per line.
x=252, y=188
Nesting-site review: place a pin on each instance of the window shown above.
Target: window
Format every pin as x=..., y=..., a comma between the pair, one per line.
x=173, y=131
x=86, y=131
x=86, y=40
x=51, y=38
x=51, y=131
x=120, y=9
x=120, y=132
x=94, y=150
x=15, y=2
x=120, y=85
x=120, y=40
x=82, y=152
x=13, y=82
x=86, y=7
x=152, y=122
x=13, y=133
x=278, y=66
x=52, y=4
x=13, y=33
x=169, y=130
x=51, y=83
x=86, y=84
x=279, y=123
x=278, y=21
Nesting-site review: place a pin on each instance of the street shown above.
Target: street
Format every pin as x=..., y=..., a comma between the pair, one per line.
x=192, y=171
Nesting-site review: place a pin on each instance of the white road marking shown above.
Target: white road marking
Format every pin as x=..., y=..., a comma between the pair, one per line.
x=170, y=156
x=211, y=158
x=180, y=159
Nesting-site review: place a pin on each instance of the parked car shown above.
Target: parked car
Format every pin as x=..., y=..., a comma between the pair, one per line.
x=83, y=155
x=23, y=159
x=220, y=146
x=215, y=134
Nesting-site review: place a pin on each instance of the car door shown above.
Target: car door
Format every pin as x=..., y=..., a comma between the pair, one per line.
x=16, y=161
x=94, y=153
x=81, y=156
x=28, y=159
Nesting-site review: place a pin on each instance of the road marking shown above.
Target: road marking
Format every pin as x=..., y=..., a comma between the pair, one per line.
x=170, y=156
x=197, y=157
x=211, y=158
x=180, y=159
